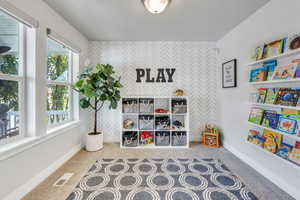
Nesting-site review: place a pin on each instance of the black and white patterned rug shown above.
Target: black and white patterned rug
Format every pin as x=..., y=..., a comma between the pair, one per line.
x=155, y=179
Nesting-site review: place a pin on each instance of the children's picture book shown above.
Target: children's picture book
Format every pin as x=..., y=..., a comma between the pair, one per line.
x=287, y=96
x=258, y=53
x=262, y=93
x=293, y=42
x=285, y=72
x=254, y=96
x=270, y=66
x=287, y=125
x=274, y=48
x=255, y=136
x=294, y=156
x=271, y=95
x=286, y=147
x=270, y=119
x=272, y=141
x=295, y=116
x=256, y=115
x=297, y=73
x=259, y=74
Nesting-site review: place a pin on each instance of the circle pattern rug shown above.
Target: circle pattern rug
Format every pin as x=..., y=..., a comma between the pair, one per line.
x=160, y=179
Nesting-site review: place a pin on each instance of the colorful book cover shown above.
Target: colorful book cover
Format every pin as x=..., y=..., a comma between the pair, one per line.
x=256, y=115
x=258, y=53
x=254, y=136
x=274, y=48
x=270, y=66
x=270, y=119
x=271, y=95
x=294, y=156
x=285, y=148
x=293, y=42
x=262, y=93
x=285, y=72
x=287, y=97
x=297, y=73
x=272, y=141
x=287, y=125
x=259, y=74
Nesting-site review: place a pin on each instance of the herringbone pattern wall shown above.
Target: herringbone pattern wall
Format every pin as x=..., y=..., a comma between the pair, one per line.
x=196, y=67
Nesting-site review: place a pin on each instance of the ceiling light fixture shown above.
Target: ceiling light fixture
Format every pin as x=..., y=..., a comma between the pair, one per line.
x=156, y=6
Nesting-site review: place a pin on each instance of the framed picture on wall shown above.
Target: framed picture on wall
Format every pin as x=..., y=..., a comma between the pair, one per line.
x=229, y=74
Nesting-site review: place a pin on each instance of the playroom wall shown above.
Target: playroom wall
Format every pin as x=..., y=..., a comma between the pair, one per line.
x=195, y=64
x=275, y=20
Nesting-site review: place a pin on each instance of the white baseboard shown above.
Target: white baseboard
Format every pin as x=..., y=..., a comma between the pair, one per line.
x=283, y=184
x=20, y=192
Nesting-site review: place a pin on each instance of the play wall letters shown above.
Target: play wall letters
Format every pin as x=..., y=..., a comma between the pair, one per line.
x=161, y=76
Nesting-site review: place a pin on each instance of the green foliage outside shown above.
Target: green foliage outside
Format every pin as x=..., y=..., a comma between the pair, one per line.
x=97, y=87
x=9, y=89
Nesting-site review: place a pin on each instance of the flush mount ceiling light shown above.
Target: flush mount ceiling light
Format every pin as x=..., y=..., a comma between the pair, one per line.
x=156, y=6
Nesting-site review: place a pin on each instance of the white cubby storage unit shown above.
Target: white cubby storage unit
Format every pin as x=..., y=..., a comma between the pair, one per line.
x=155, y=122
x=292, y=83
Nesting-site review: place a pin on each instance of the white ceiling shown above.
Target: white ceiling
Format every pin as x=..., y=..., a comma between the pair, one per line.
x=184, y=20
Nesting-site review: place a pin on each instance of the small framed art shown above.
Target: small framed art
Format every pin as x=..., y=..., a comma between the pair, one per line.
x=229, y=74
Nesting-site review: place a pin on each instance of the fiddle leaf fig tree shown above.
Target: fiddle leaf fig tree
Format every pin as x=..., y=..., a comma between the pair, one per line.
x=97, y=86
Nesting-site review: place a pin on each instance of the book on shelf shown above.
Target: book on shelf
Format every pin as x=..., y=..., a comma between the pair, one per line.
x=262, y=92
x=272, y=140
x=259, y=74
x=270, y=119
x=287, y=96
x=287, y=125
x=285, y=72
x=256, y=115
x=271, y=95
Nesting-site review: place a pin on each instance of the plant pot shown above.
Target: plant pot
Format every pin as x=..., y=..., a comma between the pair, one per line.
x=94, y=142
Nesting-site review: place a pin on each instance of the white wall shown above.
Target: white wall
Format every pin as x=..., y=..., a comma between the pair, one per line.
x=276, y=19
x=195, y=64
x=24, y=168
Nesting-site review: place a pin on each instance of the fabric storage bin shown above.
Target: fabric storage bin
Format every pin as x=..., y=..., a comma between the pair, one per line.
x=162, y=138
x=161, y=105
x=146, y=105
x=162, y=122
x=179, y=106
x=130, y=122
x=178, y=122
x=179, y=138
x=130, y=139
x=146, y=122
x=130, y=105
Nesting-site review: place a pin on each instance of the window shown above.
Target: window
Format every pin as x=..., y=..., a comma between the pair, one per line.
x=59, y=78
x=12, y=79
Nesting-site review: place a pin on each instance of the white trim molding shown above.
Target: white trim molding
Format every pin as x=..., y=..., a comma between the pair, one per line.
x=283, y=184
x=58, y=38
x=20, y=192
x=18, y=14
x=15, y=148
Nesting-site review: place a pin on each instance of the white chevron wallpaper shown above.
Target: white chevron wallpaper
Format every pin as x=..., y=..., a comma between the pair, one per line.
x=196, y=68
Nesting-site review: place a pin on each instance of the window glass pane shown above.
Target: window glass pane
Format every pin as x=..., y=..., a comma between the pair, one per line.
x=57, y=62
x=9, y=44
x=9, y=109
x=58, y=103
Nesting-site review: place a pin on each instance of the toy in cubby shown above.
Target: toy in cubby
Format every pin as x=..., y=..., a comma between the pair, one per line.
x=211, y=136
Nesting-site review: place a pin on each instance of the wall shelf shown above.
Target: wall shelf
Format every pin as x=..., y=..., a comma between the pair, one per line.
x=275, y=106
x=274, y=130
x=276, y=156
x=289, y=53
x=275, y=81
x=154, y=130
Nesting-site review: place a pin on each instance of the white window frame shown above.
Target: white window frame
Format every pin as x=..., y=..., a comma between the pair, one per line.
x=21, y=79
x=68, y=83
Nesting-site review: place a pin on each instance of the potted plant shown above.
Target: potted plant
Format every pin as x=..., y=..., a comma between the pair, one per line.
x=97, y=86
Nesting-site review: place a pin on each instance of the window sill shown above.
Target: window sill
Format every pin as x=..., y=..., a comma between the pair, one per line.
x=15, y=148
